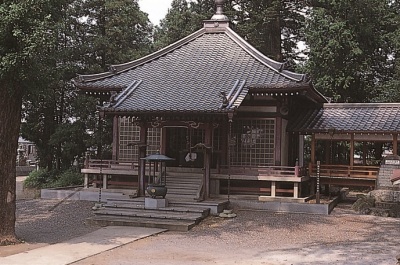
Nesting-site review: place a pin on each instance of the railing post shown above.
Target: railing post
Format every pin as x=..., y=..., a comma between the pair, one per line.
x=87, y=158
x=297, y=169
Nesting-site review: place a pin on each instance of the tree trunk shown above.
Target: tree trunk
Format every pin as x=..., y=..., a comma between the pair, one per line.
x=10, y=120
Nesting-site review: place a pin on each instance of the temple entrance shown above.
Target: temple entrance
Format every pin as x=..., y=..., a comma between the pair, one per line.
x=179, y=143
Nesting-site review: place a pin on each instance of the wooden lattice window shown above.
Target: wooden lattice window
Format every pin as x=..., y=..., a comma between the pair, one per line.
x=130, y=134
x=254, y=142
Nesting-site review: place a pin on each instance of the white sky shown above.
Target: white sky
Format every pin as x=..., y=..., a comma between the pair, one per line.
x=157, y=9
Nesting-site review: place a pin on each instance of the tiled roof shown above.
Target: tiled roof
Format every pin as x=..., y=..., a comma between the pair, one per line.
x=191, y=74
x=349, y=118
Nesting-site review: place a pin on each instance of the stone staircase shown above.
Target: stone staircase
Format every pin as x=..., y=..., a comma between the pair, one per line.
x=178, y=216
x=183, y=185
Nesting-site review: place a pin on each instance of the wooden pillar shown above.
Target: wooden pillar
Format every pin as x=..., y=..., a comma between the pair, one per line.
x=313, y=149
x=207, y=159
x=328, y=153
x=115, y=142
x=163, y=147
x=86, y=181
x=395, y=136
x=352, y=150
x=142, y=154
x=364, y=153
x=224, y=143
x=278, y=140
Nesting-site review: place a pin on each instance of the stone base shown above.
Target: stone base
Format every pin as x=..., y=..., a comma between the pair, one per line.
x=150, y=203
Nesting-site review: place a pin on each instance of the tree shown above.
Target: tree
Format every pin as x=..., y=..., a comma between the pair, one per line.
x=389, y=91
x=351, y=51
x=117, y=31
x=48, y=106
x=25, y=38
x=183, y=18
x=113, y=32
x=274, y=27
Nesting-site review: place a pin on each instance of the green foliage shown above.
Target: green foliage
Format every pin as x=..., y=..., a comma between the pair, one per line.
x=67, y=178
x=44, y=178
x=117, y=31
x=39, y=179
x=274, y=27
x=351, y=47
x=62, y=123
x=183, y=18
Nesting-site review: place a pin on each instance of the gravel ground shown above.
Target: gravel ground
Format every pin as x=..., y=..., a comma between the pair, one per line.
x=253, y=237
x=49, y=221
x=263, y=238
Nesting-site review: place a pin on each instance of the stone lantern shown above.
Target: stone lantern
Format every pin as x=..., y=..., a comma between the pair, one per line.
x=156, y=186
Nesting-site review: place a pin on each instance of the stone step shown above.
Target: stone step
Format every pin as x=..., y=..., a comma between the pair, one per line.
x=184, y=197
x=182, y=185
x=183, y=181
x=173, y=225
x=182, y=192
x=184, y=175
x=134, y=205
x=215, y=206
x=155, y=213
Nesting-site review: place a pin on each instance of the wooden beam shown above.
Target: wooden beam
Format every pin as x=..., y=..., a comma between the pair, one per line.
x=395, y=142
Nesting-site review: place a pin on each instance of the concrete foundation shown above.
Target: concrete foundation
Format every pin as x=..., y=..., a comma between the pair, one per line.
x=150, y=203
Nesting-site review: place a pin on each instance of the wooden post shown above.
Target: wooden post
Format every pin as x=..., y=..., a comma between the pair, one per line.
x=278, y=139
x=364, y=153
x=224, y=143
x=352, y=150
x=273, y=189
x=142, y=154
x=104, y=181
x=296, y=190
x=86, y=181
x=395, y=136
x=313, y=149
x=115, y=142
x=207, y=159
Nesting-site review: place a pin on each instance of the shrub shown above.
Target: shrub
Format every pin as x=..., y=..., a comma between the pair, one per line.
x=38, y=179
x=363, y=204
x=44, y=178
x=67, y=178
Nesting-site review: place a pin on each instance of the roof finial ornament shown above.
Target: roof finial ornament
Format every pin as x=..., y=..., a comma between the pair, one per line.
x=219, y=11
